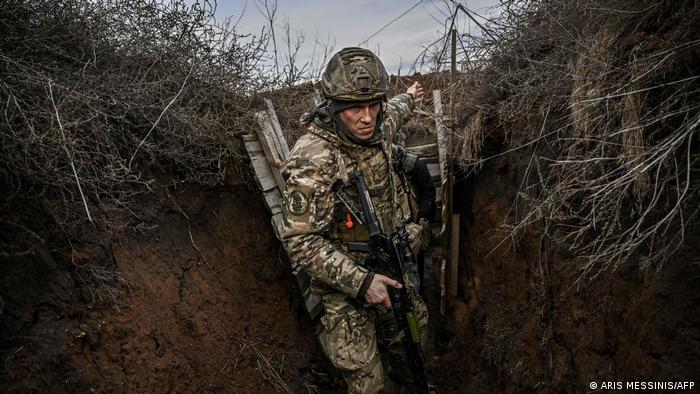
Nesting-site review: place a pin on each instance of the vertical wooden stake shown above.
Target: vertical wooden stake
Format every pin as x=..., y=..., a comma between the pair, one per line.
x=440, y=130
x=318, y=99
x=453, y=77
x=454, y=254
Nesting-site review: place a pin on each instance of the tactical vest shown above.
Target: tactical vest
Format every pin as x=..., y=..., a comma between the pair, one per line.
x=387, y=187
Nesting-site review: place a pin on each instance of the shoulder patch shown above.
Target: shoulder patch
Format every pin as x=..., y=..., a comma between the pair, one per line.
x=297, y=203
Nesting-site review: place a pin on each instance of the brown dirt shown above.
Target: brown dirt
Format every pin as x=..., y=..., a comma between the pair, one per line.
x=227, y=319
x=194, y=295
x=207, y=304
x=521, y=325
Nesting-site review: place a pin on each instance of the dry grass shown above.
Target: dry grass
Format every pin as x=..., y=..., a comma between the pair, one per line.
x=604, y=99
x=98, y=96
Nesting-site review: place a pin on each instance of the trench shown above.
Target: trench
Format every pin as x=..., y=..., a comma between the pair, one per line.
x=518, y=322
x=204, y=302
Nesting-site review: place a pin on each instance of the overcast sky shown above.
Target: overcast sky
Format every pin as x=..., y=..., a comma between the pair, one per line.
x=348, y=23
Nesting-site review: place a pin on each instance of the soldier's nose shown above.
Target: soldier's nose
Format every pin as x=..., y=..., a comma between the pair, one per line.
x=365, y=116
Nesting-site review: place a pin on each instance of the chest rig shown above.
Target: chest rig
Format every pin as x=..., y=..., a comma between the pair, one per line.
x=386, y=186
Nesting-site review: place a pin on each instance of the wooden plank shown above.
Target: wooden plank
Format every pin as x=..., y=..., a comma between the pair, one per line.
x=279, y=141
x=424, y=150
x=273, y=200
x=277, y=224
x=265, y=134
x=441, y=133
x=318, y=99
x=253, y=147
x=261, y=167
x=260, y=148
x=443, y=286
x=431, y=159
x=454, y=255
x=267, y=137
x=262, y=173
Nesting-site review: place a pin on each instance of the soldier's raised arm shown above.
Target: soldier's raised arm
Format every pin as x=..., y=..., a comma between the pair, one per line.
x=400, y=108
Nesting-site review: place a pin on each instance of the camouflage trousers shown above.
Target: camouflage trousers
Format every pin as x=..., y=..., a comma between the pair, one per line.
x=352, y=338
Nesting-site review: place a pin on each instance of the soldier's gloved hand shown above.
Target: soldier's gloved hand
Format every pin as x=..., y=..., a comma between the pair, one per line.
x=416, y=90
x=376, y=292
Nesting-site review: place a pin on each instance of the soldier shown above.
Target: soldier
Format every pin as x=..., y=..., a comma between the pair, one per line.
x=346, y=133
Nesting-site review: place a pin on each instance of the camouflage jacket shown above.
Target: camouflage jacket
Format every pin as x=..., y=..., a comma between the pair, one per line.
x=315, y=221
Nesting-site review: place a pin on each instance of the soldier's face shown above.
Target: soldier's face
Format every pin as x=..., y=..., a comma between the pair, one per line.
x=361, y=120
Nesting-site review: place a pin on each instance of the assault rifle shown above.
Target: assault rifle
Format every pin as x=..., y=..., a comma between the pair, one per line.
x=389, y=259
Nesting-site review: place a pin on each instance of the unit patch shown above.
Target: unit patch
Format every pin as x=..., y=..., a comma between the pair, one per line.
x=298, y=203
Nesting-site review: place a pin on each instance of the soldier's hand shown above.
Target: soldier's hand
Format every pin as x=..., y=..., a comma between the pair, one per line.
x=376, y=292
x=416, y=90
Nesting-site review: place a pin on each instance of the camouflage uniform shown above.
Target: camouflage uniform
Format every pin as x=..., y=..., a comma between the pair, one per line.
x=315, y=234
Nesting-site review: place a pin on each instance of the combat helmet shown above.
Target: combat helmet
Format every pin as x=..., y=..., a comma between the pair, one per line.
x=355, y=74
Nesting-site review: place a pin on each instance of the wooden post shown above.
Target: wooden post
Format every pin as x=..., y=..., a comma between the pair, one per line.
x=450, y=222
x=454, y=217
x=280, y=141
x=454, y=254
x=443, y=284
x=318, y=99
x=453, y=76
x=441, y=137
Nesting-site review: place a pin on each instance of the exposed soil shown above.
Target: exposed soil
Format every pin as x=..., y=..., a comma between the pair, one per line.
x=201, y=299
x=161, y=310
x=522, y=323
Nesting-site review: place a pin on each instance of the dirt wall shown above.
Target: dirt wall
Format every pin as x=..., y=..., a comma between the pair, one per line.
x=198, y=299
x=523, y=323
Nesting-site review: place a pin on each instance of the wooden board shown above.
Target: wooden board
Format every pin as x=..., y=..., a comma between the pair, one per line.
x=273, y=200
x=424, y=150
x=268, y=151
x=453, y=273
x=272, y=142
x=280, y=140
x=318, y=99
x=441, y=137
x=277, y=224
x=262, y=173
x=431, y=159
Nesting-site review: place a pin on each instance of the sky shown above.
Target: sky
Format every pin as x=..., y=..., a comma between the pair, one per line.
x=349, y=23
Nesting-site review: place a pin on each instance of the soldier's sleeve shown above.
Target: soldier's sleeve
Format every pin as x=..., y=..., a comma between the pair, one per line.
x=308, y=212
x=398, y=111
